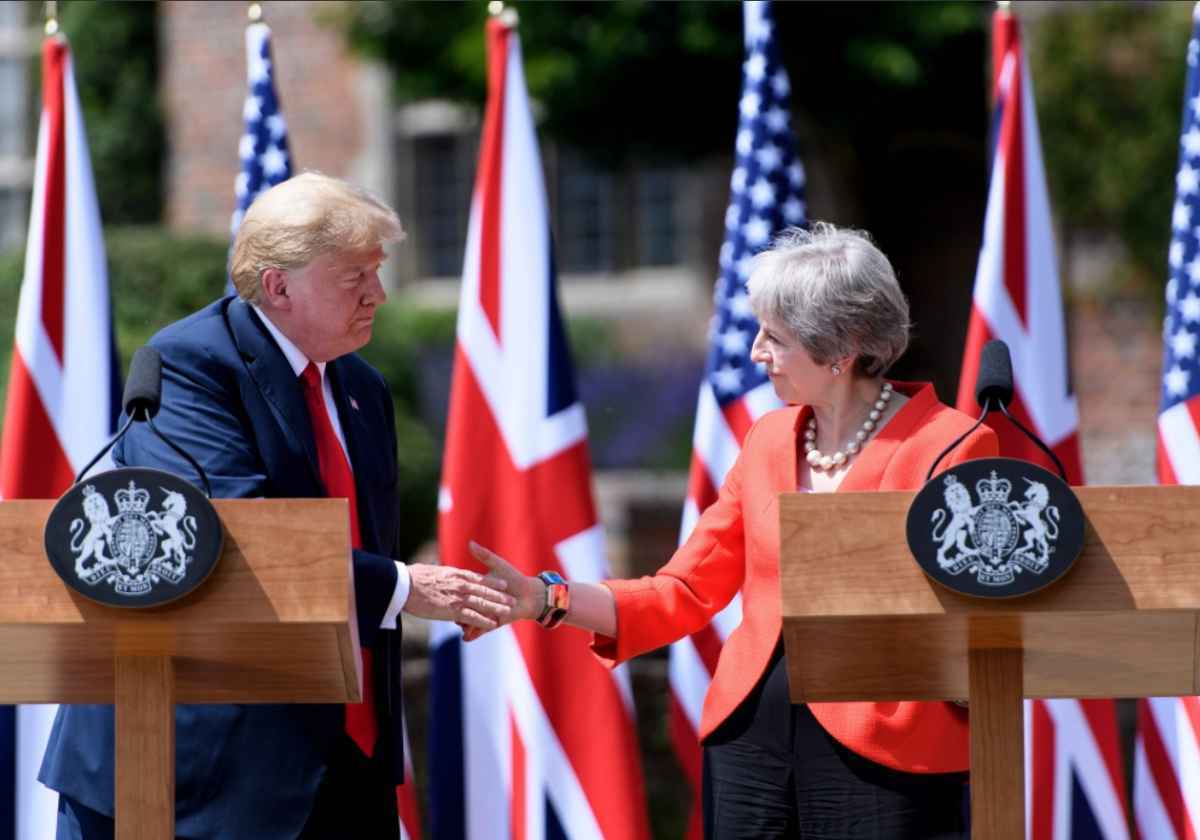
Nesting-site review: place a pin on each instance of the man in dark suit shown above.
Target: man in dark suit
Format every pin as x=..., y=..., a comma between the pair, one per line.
x=265, y=391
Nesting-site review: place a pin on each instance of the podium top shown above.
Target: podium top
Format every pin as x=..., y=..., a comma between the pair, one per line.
x=273, y=623
x=863, y=622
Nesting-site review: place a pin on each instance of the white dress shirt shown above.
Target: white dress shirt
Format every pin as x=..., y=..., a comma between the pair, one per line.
x=299, y=362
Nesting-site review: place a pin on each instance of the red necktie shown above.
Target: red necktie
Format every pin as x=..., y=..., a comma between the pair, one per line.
x=339, y=483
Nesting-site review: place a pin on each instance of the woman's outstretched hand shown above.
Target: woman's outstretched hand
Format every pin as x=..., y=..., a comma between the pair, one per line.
x=529, y=592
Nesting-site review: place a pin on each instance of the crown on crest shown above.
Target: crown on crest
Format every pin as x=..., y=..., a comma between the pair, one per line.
x=993, y=489
x=133, y=500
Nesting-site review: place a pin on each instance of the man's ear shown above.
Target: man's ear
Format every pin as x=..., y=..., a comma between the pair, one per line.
x=275, y=288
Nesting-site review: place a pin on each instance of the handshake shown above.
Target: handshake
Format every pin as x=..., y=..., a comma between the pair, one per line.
x=477, y=603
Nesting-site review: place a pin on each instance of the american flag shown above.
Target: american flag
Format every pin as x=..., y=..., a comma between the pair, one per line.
x=1166, y=778
x=265, y=162
x=263, y=149
x=766, y=196
x=1074, y=785
x=531, y=737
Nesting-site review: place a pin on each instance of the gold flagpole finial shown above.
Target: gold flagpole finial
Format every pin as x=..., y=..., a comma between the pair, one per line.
x=51, y=17
x=506, y=14
x=254, y=12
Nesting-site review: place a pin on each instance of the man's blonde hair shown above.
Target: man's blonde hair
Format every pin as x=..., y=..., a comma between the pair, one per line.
x=303, y=218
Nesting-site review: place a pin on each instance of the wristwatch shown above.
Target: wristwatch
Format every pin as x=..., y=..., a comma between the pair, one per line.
x=558, y=600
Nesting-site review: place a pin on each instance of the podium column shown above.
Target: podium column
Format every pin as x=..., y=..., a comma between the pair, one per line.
x=145, y=760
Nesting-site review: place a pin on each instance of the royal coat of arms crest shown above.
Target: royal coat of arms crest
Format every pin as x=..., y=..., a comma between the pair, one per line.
x=999, y=537
x=135, y=548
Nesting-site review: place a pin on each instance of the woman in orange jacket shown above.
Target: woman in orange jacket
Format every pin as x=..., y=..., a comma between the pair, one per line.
x=832, y=320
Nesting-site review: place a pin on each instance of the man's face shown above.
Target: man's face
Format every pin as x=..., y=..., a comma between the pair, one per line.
x=333, y=301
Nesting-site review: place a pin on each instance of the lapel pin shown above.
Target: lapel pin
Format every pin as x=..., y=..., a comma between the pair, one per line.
x=354, y=403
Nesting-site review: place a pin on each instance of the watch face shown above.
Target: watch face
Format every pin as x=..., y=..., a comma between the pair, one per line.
x=995, y=528
x=133, y=537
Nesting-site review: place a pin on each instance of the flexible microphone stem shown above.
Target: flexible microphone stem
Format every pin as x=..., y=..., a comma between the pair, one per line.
x=124, y=428
x=1062, y=473
x=199, y=470
x=987, y=409
x=959, y=439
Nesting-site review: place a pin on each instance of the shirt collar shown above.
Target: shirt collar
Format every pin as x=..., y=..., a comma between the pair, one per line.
x=291, y=352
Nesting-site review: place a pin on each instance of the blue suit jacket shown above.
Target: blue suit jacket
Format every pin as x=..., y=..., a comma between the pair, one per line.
x=232, y=401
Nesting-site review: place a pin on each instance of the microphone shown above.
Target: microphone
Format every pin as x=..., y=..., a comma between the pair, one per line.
x=143, y=389
x=141, y=401
x=995, y=383
x=994, y=390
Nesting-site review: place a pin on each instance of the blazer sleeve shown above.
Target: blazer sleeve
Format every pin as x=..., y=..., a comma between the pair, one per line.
x=201, y=412
x=374, y=584
x=698, y=582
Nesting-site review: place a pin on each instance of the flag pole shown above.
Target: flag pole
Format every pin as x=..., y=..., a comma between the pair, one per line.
x=51, y=17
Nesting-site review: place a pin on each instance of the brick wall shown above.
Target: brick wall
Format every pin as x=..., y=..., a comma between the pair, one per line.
x=1116, y=361
x=204, y=84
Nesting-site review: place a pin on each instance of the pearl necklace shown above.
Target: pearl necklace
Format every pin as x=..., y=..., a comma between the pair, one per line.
x=828, y=462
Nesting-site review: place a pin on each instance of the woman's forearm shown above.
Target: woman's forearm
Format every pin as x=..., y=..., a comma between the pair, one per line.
x=592, y=608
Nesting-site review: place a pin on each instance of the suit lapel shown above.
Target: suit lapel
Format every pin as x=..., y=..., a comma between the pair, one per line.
x=277, y=381
x=364, y=458
x=868, y=469
x=354, y=427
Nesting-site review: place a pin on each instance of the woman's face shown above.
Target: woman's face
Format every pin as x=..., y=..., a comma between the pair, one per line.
x=796, y=377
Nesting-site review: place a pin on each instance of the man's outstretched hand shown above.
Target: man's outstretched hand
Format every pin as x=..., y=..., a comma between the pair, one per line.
x=450, y=594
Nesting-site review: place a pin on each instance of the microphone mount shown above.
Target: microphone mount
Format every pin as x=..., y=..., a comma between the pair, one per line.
x=995, y=392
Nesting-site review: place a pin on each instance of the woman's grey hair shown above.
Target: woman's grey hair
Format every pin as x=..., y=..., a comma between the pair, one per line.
x=836, y=293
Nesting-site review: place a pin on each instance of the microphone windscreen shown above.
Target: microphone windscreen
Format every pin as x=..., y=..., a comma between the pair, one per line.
x=143, y=388
x=995, y=382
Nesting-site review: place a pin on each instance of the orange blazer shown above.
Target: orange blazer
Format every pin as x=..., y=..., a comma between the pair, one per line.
x=735, y=545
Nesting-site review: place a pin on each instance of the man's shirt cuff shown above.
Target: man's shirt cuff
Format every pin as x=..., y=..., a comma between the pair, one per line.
x=399, y=598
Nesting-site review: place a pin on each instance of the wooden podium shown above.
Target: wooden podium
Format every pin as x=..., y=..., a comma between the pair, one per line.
x=861, y=621
x=274, y=623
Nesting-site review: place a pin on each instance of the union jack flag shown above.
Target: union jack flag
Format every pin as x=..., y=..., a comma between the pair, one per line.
x=1073, y=778
x=263, y=149
x=63, y=386
x=531, y=736
x=766, y=196
x=1166, y=776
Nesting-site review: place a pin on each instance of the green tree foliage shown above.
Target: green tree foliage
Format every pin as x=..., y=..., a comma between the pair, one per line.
x=115, y=47
x=660, y=79
x=1109, y=83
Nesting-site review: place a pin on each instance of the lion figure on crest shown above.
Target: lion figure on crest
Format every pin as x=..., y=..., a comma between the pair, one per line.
x=956, y=532
x=91, y=545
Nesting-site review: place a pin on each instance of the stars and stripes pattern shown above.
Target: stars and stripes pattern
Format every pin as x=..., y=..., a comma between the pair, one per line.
x=1178, y=442
x=1074, y=785
x=64, y=384
x=531, y=736
x=263, y=148
x=1166, y=775
x=766, y=196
